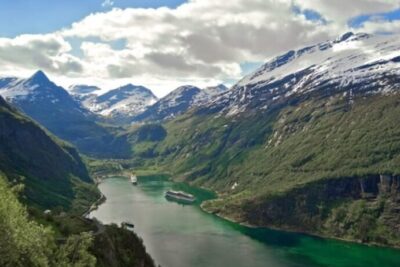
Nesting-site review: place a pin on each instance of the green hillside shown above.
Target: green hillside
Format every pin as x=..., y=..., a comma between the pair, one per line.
x=37, y=172
x=51, y=170
x=322, y=166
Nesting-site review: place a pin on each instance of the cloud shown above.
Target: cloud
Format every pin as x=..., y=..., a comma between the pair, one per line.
x=199, y=42
x=107, y=3
x=341, y=11
x=381, y=26
x=48, y=52
x=197, y=39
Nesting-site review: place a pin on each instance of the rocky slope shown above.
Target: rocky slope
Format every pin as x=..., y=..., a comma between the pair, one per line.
x=294, y=144
x=179, y=101
x=123, y=103
x=56, y=110
x=353, y=64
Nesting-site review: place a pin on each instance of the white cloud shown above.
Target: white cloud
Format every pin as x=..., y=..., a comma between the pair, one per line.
x=381, y=26
x=200, y=39
x=200, y=42
x=341, y=11
x=107, y=3
x=49, y=52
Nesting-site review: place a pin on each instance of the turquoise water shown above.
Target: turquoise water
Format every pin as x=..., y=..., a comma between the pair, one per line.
x=179, y=235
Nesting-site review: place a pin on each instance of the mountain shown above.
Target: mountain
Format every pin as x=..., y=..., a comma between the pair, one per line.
x=122, y=103
x=179, y=101
x=353, y=64
x=53, y=177
x=215, y=90
x=52, y=171
x=6, y=80
x=54, y=108
x=308, y=142
x=83, y=90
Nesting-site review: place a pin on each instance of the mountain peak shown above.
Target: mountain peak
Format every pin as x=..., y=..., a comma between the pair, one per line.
x=39, y=77
x=185, y=88
x=127, y=90
x=350, y=36
x=222, y=86
x=131, y=88
x=128, y=86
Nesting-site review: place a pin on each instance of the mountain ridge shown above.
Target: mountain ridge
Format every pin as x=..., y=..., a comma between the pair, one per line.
x=51, y=170
x=55, y=109
x=354, y=61
x=180, y=101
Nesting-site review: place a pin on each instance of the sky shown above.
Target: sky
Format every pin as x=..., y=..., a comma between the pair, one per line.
x=163, y=44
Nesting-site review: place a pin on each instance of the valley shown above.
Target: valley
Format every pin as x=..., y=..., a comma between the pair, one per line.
x=308, y=145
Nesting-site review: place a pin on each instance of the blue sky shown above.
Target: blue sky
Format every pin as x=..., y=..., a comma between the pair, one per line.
x=388, y=16
x=44, y=16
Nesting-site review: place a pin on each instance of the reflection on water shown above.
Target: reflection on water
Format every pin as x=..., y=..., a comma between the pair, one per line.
x=179, y=235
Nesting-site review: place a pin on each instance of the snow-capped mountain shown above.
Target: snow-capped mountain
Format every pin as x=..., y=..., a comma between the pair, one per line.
x=55, y=109
x=85, y=94
x=126, y=100
x=118, y=104
x=351, y=65
x=179, y=101
x=37, y=90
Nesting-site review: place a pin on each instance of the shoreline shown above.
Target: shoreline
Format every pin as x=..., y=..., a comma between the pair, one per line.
x=310, y=234
x=95, y=205
x=245, y=224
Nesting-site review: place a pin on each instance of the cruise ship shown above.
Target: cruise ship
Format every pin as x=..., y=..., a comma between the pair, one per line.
x=133, y=179
x=180, y=196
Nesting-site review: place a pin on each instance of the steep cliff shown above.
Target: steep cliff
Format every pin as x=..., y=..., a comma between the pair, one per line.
x=52, y=171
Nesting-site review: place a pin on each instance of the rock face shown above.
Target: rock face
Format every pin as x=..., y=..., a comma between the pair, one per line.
x=56, y=110
x=364, y=209
x=49, y=168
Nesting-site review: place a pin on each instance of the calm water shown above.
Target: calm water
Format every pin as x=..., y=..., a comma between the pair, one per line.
x=184, y=236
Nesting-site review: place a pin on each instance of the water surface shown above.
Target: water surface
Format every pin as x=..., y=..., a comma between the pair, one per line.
x=179, y=235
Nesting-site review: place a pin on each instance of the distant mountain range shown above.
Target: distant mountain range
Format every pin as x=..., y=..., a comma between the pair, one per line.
x=119, y=104
x=131, y=103
x=179, y=101
x=78, y=115
x=61, y=114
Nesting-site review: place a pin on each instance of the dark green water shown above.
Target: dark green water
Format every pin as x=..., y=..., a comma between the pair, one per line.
x=184, y=236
